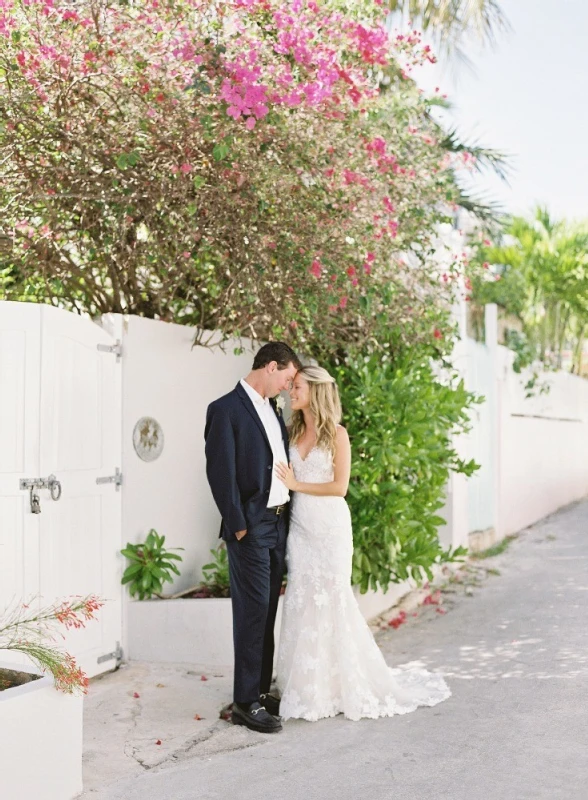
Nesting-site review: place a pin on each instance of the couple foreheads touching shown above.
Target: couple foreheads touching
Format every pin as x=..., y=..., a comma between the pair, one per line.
x=281, y=495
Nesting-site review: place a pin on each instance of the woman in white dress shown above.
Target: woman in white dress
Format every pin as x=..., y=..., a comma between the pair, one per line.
x=328, y=660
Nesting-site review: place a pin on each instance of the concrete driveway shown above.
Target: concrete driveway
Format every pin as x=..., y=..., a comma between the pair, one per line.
x=511, y=637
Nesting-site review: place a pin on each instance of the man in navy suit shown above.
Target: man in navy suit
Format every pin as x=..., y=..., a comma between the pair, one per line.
x=245, y=436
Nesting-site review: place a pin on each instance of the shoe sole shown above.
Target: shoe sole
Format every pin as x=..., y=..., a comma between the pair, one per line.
x=236, y=720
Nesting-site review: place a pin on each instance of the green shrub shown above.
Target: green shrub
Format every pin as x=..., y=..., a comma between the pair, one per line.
x=401, y=419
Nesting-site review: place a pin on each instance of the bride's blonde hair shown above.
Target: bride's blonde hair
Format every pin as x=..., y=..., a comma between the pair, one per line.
x=325, y=408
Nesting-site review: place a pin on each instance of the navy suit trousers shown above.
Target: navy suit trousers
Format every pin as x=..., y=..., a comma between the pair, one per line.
x=256, y=567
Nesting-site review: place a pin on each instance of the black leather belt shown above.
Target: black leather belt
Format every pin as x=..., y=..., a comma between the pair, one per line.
x=277, y=510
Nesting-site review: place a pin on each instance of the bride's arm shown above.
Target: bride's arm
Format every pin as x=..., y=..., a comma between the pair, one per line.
x=335, y=488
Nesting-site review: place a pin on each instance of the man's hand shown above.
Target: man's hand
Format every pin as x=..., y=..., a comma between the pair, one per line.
x=240, y=534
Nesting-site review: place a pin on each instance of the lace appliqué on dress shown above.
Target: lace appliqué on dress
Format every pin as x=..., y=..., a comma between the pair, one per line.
x=328, y=660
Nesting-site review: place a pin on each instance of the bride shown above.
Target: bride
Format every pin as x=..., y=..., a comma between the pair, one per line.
x=328, y=661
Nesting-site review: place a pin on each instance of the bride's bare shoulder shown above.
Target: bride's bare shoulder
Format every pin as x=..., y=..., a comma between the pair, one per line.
x=342, y=435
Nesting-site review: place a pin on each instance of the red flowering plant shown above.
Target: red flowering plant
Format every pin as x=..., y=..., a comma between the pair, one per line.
x=35, y=633
x=250, y=166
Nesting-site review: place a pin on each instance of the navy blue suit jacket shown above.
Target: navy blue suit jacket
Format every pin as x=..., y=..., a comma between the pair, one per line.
x=239, y=460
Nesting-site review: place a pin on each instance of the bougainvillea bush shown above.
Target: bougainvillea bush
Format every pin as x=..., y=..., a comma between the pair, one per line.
x=261, y=168
x=253, y=166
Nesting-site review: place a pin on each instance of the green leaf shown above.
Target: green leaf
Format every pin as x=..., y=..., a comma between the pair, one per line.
x=131, y=554
x=220, y=151
x=134, y=569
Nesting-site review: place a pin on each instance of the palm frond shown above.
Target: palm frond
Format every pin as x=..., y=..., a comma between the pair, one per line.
x=485, y=157
x=451, y=21
x=487, y=210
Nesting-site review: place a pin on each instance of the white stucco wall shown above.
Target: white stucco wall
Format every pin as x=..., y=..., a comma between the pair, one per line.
x=165, y=377
x=480, y=378
x=533, y=451
x=543, y=446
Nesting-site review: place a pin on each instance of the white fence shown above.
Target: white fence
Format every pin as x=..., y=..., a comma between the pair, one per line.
x=533, y=451
x=166, y=378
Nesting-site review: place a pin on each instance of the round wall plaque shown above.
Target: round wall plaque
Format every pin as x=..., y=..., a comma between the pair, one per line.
x=148, y=439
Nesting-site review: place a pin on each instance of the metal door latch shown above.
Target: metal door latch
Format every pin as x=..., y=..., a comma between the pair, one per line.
x=32, y=484
x=116, y=479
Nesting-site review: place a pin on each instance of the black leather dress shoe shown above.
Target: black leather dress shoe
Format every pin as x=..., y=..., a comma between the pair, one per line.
x=256, y=718
x=270, y=703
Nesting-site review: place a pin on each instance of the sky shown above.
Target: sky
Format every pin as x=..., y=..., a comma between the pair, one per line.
x=527, y=96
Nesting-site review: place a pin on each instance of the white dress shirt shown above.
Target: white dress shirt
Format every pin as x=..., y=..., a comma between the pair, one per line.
x=279, y=494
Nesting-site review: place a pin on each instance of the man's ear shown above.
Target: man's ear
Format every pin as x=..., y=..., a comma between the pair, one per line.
x=272, y=366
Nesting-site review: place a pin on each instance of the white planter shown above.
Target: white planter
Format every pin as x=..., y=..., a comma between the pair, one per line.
x=200, y=631
x=40, y=741
x=191, y=631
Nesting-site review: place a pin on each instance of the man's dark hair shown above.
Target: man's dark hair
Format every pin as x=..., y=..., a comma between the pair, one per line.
x=276, y=351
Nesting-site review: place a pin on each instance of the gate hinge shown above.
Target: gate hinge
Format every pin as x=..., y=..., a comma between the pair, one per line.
x=115, y=348
x=117, y=654
x=116, y=479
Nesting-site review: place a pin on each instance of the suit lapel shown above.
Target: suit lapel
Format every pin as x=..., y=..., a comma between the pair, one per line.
x=283, y=428
x=248, y=403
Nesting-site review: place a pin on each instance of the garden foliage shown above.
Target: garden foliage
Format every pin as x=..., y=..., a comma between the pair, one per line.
x=263, y=168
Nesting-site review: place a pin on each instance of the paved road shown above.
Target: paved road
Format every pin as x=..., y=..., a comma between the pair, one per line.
x=514, y=649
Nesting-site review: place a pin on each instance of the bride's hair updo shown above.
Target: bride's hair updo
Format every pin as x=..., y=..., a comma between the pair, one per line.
x=325, y=408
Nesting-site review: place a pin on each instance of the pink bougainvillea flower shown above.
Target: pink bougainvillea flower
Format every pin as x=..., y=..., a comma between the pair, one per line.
x=432, y=599
x=316, y=269
x=397, y=621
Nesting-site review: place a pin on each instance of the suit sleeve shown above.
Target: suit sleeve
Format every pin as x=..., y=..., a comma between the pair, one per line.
x=221, y=468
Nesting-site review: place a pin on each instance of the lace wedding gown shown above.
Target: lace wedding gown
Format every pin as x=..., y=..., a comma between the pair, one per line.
x=328, y=660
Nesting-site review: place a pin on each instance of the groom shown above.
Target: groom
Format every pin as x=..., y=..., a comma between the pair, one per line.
x=245, y=436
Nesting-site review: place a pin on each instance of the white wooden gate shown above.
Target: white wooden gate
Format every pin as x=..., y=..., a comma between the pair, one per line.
x=60, y=414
